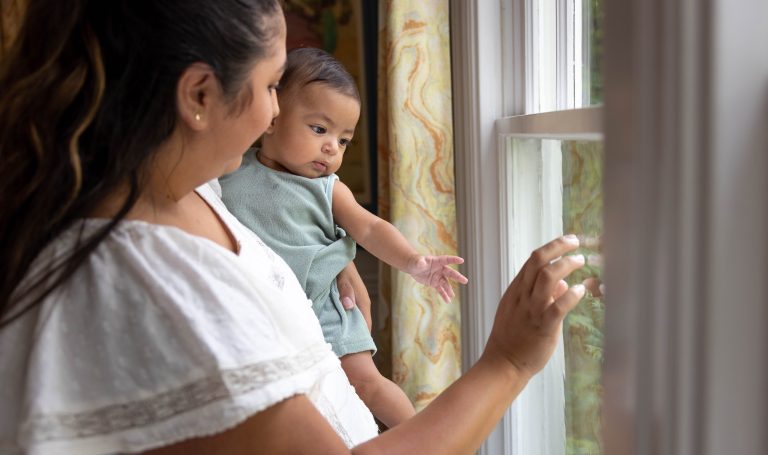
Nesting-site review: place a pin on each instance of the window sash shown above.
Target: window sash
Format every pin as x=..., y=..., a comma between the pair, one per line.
x=482, y=70
x=531, y=213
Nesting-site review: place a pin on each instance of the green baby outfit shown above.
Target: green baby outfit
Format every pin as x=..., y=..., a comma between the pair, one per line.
x=292, y=215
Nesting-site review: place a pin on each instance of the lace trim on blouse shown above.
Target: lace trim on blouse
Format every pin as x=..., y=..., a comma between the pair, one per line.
x=326, y=409
x=227, y=383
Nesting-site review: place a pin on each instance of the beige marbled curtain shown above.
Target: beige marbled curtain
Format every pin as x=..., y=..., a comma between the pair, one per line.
x=416, y=191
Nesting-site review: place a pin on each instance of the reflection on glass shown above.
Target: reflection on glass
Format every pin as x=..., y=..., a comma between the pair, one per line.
x=593, y=51
x=583, y=329
x=554, y=187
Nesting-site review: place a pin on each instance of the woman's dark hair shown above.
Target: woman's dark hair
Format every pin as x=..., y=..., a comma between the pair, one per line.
x=307, y=65
x=87, y=94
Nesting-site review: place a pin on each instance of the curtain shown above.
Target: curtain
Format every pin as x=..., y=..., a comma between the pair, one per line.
x=421, y=335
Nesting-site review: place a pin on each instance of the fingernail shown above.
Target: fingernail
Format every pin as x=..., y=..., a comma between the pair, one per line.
x=579, y=289
x=347, y=303
x=578, y=258
x=571, y=238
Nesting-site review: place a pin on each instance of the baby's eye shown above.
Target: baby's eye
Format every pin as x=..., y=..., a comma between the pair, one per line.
x=344, y=142
x=318, y=129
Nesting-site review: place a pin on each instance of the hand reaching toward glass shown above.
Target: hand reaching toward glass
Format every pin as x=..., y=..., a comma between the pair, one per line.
x=434, y=271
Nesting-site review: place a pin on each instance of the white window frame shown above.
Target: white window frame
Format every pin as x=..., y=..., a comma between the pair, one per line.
x=686, y=345
x=536, y=421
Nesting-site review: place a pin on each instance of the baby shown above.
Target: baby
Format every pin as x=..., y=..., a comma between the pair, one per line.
x=311, y=218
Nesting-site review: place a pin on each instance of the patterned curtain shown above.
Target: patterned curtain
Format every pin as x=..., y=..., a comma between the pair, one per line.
x=416, y=192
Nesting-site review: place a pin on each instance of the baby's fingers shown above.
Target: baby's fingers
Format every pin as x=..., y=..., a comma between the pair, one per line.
x=444, y=293
x=443, y=260
x=449, y=291
x=444, y=288
x=454, y=275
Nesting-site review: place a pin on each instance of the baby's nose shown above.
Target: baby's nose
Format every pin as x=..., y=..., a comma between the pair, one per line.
x=331, y=147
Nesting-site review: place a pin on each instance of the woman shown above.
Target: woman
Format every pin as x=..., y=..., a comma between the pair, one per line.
x=137, y=313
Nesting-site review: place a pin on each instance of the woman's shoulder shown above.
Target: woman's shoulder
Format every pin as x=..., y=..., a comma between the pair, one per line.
x=156, y=338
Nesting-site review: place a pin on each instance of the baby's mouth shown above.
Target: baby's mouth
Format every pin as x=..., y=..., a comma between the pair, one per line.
x=319, y=165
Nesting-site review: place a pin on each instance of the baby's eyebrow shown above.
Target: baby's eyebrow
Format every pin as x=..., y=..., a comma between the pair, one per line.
x=326, y=119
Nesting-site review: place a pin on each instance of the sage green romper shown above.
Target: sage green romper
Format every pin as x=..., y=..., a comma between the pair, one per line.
x=292, y=215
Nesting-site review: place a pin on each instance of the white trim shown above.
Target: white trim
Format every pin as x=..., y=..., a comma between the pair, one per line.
x=475, y=37
x=585, y=124
x=513, y=45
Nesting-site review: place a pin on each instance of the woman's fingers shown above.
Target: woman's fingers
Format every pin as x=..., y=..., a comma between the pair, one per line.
x=555, y=313
x=543, y=256
x=346, y=294
x=549, y=277
x=560, y=289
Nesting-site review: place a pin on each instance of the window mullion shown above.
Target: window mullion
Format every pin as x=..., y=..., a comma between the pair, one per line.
x=562, y=32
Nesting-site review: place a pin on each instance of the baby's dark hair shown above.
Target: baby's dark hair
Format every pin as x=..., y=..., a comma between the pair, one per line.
x=308, y=65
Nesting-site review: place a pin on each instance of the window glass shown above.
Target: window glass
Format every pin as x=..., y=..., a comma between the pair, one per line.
x=564, y=54
x=593, y=52
x=583, y=328
x=555, y=187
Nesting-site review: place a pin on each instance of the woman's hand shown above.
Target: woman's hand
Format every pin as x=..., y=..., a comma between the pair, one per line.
x=530, y=315
x=352, y=292
x=434, y=271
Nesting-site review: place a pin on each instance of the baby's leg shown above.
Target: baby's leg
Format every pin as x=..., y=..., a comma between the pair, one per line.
x=383, y=397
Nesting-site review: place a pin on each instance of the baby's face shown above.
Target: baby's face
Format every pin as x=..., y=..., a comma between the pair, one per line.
x=311, y=134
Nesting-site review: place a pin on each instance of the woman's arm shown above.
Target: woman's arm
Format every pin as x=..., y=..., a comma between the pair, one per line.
x=525, y=332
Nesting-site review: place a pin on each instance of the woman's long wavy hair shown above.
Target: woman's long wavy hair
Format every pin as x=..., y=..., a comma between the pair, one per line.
x=87, y=94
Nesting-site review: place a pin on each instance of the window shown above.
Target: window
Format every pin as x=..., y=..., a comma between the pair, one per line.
x=552, y=161
x=547, y=131
x=685, y=208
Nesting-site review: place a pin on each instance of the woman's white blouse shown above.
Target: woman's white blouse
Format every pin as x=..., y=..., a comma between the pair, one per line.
x=163, y=336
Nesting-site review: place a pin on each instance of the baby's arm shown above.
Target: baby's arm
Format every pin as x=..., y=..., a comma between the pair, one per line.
x=385, y=242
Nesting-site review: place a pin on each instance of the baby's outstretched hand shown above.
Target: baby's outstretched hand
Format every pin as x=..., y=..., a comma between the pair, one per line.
x=434, y=271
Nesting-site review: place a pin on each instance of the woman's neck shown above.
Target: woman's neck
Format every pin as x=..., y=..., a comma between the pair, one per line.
x=167, y=181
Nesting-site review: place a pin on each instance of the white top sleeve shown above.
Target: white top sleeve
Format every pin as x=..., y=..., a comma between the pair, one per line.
x=162, y=336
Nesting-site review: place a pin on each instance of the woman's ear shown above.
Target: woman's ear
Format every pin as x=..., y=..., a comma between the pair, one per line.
x=195, y=92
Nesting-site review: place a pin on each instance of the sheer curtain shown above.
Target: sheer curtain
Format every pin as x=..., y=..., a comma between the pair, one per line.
x=416, y=192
